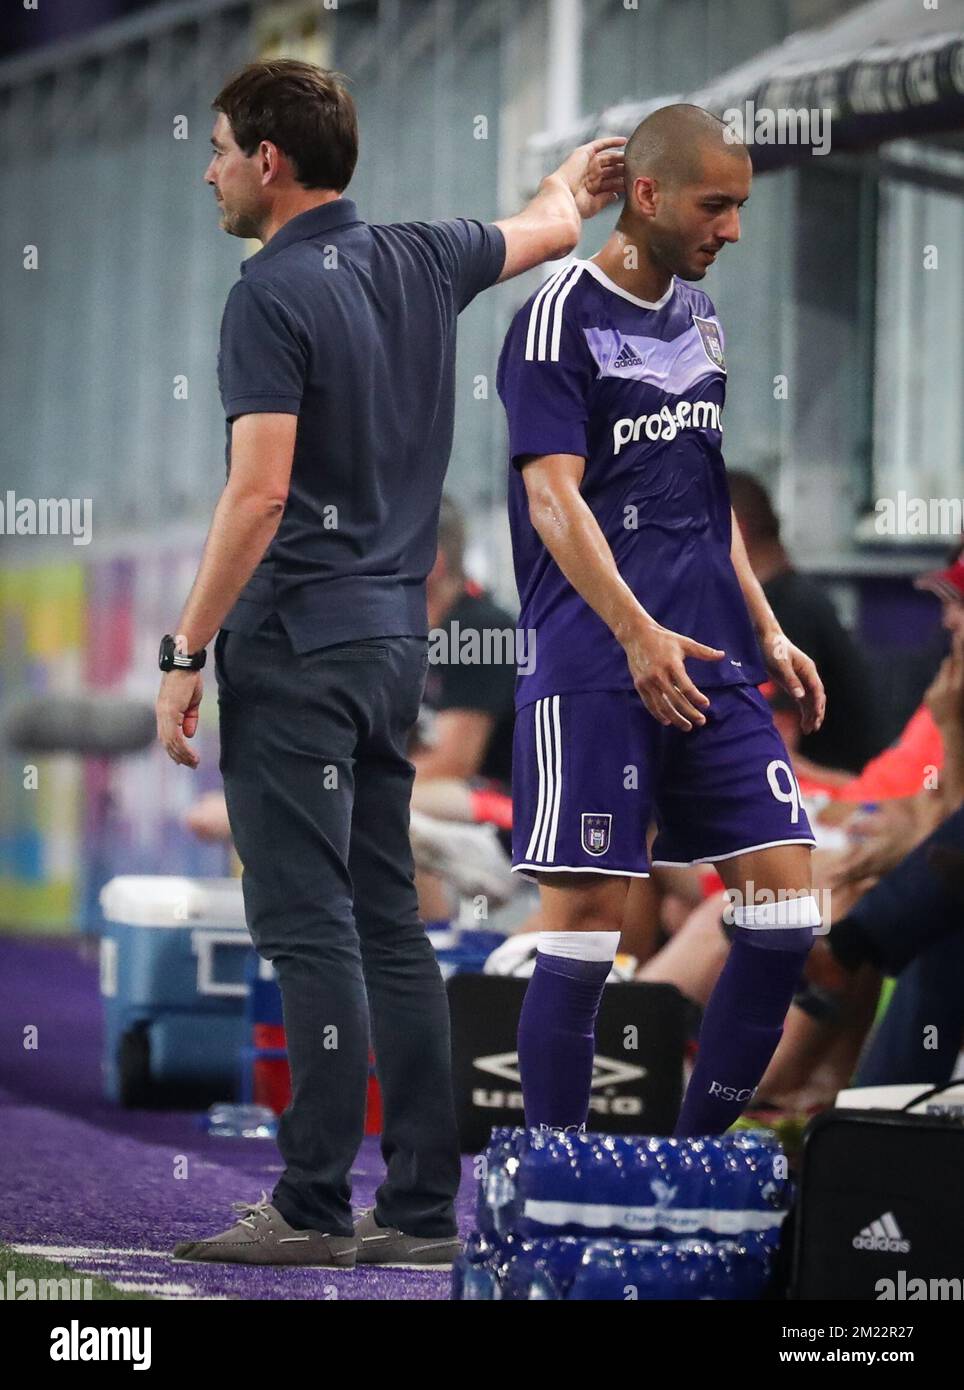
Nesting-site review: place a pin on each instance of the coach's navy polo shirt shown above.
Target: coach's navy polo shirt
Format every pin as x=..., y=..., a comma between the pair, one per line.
x=351, y=327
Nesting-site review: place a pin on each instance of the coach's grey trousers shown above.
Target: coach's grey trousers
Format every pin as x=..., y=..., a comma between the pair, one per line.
x=313, y=755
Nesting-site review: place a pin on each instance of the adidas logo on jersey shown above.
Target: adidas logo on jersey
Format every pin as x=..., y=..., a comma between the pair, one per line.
x=627, y=356
x=882, y=1235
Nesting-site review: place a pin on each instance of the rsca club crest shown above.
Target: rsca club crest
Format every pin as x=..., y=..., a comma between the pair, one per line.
x=712, y=341
x=596, y=833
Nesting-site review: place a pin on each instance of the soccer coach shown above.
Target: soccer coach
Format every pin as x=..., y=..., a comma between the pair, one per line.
x=336, y=372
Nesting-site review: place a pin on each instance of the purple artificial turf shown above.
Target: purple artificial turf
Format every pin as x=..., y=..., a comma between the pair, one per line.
x=98, y=1186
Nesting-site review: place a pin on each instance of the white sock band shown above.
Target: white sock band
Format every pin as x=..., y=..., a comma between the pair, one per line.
x=579, y=945
x=800, y=911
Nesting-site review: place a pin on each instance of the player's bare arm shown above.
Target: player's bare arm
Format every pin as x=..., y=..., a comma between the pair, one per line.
x=790, y=667
x=245, y=520
x=548, y=227
x=571, y=534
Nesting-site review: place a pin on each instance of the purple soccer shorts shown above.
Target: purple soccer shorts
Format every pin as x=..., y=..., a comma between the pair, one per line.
x=592, y=769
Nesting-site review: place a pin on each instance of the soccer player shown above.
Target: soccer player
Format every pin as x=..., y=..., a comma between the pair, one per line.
x=649, y=629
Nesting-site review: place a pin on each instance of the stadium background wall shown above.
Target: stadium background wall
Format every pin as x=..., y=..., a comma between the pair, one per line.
x=107, y=373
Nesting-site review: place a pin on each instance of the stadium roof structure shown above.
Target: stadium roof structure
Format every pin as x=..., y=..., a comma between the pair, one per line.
x=886, y=70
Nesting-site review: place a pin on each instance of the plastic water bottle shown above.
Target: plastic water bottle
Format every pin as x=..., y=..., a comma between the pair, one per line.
x=605, y=1177
x=549, y=1172
x=543, y=1286
x=478, y=1284
x=693, y=1273
x=667, y=1219
x=688, y=1270
x=478, y=1254
x=562, y=1256
x=639, y=1167
x=745, y=1269
x=497, y=1198
x=644, y=1274
x=229, y=1121
x=525, y=1275
x=459, y=1266
x=602, y=1273
x=690, y=1179
x=765, y=1153
x=484, y=1257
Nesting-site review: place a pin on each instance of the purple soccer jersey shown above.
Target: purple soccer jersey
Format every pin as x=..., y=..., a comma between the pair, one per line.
x=636, y=389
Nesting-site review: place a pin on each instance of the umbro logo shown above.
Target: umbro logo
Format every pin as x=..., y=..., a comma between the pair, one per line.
x=883, y=1235
x=627, y=356
x=606, y=1071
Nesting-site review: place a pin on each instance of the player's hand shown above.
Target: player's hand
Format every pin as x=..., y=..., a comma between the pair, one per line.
x=879, y=840
x=595, y=174
x=656, y=656
x=796, y=673
x=177, y=713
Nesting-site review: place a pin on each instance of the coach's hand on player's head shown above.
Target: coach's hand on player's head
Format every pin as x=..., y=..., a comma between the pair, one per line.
x=595, y=174
x=656, y=656
x=177, y=714
x=796, y=673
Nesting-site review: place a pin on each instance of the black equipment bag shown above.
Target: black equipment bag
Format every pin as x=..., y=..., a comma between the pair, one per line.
x=880, y=1212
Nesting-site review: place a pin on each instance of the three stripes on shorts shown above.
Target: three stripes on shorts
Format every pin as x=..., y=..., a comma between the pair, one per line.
x=542, y=843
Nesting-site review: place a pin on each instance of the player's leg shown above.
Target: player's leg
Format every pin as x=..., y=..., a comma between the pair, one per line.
x=580, y=810
x=728, y=796
x=773, y=921
x=581, y=918
x=641, y=922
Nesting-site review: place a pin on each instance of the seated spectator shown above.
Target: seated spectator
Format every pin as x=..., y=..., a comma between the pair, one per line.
x=463, y=749
x=911, y=767
x=472, y=702
x=848, y=737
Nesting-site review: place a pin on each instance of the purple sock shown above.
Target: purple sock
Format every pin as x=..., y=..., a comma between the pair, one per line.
x=557, y=1037
x=742, y=1025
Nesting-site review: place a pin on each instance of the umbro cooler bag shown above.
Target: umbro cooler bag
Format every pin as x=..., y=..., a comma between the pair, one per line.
x=880, y=1204
x=638, y=1075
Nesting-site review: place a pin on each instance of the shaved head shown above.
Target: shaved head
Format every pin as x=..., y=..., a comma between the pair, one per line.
x=685, y=183
x=671, y=143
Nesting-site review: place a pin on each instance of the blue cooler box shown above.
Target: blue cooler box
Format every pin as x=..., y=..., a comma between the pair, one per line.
x=173, y=960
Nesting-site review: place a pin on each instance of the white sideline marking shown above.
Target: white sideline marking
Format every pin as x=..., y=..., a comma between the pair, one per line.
x=107, y=1263
x=88, y=1252
x=169, y=1290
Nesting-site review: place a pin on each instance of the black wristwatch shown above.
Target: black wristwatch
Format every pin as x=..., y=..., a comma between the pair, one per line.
x=170, y=659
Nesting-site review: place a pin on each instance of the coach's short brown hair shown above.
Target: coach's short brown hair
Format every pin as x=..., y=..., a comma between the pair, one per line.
x=304, y=110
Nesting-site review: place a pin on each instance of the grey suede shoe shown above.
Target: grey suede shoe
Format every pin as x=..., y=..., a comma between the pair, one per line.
x=384, y=1245
x=261, y=1236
